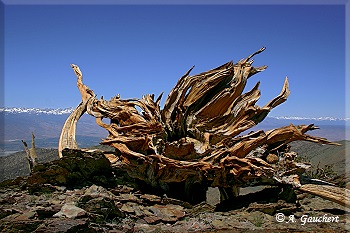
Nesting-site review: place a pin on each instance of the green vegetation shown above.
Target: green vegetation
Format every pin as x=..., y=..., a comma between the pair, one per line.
x=325, y=172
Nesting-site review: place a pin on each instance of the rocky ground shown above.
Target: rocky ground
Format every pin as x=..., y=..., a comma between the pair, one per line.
x=81, y=194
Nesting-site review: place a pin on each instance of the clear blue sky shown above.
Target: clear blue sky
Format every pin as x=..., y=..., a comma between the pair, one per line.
x=135, y=50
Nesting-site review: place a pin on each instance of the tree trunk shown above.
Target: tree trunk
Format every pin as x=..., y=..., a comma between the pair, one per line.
x=331, y=193
x=31, y=154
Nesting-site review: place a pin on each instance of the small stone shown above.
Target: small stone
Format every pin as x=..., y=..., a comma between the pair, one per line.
x=103, y=206
x=201, y=208
x=8, y=200
x=269, y=208
x=79, y=191
x=68, y=225
x=128, y=207
x=151, y=219
x=121, y=189
x=128, y=197
x=70, y=211
x=96, y=218
x=173, y=201
x=95, y=191
x=219, y=225
x=61, y=197
x=7, y=212
x=45, y=212
x=153, y=199
x=60, y=188
x=168, y=213
x=146, y=212
x=54, y=202
x=26, y=216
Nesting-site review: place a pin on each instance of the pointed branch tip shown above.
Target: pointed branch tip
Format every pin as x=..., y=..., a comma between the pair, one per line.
x=252, y=55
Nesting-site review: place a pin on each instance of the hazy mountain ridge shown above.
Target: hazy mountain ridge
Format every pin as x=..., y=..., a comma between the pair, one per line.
x=63, y=111
x=57, y=111
x=310, y=118
x=47, y=124
x=324, y=154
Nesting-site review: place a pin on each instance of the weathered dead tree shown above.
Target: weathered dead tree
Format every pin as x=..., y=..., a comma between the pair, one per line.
x=194, y=142
x=31, y=154
x=332, y=193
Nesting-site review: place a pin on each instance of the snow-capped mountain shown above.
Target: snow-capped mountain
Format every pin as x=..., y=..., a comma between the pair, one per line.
x=58, y=111
x=46, y=124
x=310, y=118
x=62, y=111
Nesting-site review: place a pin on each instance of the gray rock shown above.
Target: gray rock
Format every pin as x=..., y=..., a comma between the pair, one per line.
x=220, y=224
x=74, y=168
x=152, y=199
x=102, y=206
x=173, y=201
x=201, y=208
x=70, y=211
x=26, y=216
x=129, y=207
x=168, y=213
x=95, y=191
x=59, y=226
x=126, y=197
x=7, y=212
x=97, y=200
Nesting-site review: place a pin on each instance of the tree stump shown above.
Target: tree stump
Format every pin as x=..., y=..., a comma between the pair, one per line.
x=195, y=141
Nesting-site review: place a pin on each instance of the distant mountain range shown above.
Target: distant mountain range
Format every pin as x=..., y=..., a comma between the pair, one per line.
x=49, y=111
x=64, y=111
x=46, y=124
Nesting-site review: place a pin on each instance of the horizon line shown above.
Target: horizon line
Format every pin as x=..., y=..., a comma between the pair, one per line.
x=68, y=110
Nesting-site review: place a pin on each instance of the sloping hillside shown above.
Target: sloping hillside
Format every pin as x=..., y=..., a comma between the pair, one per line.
x=16, y=164
x=325, y=154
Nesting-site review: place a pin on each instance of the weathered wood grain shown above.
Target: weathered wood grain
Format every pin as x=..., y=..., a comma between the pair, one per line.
x=195, y=139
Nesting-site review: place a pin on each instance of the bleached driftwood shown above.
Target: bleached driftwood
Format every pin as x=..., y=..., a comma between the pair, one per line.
x=331, y=193
x=31, y=154
x=194, y=142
